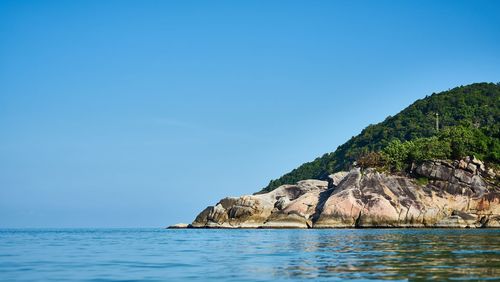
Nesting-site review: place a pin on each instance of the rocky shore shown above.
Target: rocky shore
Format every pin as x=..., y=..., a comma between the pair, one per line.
x=441, y=194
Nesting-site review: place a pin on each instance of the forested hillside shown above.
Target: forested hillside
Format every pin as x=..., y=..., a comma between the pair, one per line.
x=468, y=124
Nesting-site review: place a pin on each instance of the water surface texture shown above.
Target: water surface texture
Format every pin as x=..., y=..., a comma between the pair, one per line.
x=248, y=255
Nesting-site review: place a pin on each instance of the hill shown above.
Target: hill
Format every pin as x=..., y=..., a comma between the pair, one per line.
x=469, y=125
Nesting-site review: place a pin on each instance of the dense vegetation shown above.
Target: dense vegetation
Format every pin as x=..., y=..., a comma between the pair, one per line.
x=453, y=142
x=469, y=125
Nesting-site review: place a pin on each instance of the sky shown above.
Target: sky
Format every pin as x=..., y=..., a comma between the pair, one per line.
x=142, y=113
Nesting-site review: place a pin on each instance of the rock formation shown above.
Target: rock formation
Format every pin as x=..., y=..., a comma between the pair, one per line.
x=463, y=193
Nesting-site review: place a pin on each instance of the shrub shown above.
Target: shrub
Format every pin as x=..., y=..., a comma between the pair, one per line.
x=371, y=159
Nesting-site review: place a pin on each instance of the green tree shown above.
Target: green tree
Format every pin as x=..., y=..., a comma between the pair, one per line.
x=396, y=154
x=429, y=148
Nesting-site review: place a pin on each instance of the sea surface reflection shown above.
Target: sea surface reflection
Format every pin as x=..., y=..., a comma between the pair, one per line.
x=248, y=255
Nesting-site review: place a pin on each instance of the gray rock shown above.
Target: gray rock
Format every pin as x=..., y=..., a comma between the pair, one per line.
x=442, y=173
x=491, y=173
x=336, y=178
x=472, y=168
x=228, y=202
x=464, y=215
x=463, y=165
x=478, y=163
x=217, y=215
x=179, y=226
x=454, y=197
x=435, y=171
x=455, y=221
x=281, y=203
x=463, y=176
x=492, y=222
x=478, y=185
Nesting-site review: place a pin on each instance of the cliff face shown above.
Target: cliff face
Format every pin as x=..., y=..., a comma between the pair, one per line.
x=438, y=194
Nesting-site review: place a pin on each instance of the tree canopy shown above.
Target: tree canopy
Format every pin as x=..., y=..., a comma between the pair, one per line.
x=469, y=125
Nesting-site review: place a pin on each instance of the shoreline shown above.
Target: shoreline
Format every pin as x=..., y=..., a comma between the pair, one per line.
x=338, y=227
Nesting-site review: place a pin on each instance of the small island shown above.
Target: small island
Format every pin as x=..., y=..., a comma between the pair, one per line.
x=435, y=164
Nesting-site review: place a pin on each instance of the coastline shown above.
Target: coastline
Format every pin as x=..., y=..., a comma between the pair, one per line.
x=456, y=194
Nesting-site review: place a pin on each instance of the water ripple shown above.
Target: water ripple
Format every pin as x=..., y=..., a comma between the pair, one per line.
x=248, y=255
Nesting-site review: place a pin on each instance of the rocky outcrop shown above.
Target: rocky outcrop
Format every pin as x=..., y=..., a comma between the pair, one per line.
x=289, y=206
x=454, y=194
x=179, y=226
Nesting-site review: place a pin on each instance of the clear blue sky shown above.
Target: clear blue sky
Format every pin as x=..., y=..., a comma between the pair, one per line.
x=142, y=113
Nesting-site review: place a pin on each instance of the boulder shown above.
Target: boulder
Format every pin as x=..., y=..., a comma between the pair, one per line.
x=491, y=173
x=462, y=164
x=472, y=168
x=478, y=163
x=455, y=221
x=433, y=170
x=288, y=206
x=463, y=176
x=179, y=226
x=492, y=222
x=455, y=197
x=336, y=178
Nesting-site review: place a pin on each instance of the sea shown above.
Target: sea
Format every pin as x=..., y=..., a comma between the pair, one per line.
x=249, y=255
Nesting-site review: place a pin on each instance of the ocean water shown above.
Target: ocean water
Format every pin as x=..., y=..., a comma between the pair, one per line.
x=248, y=255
